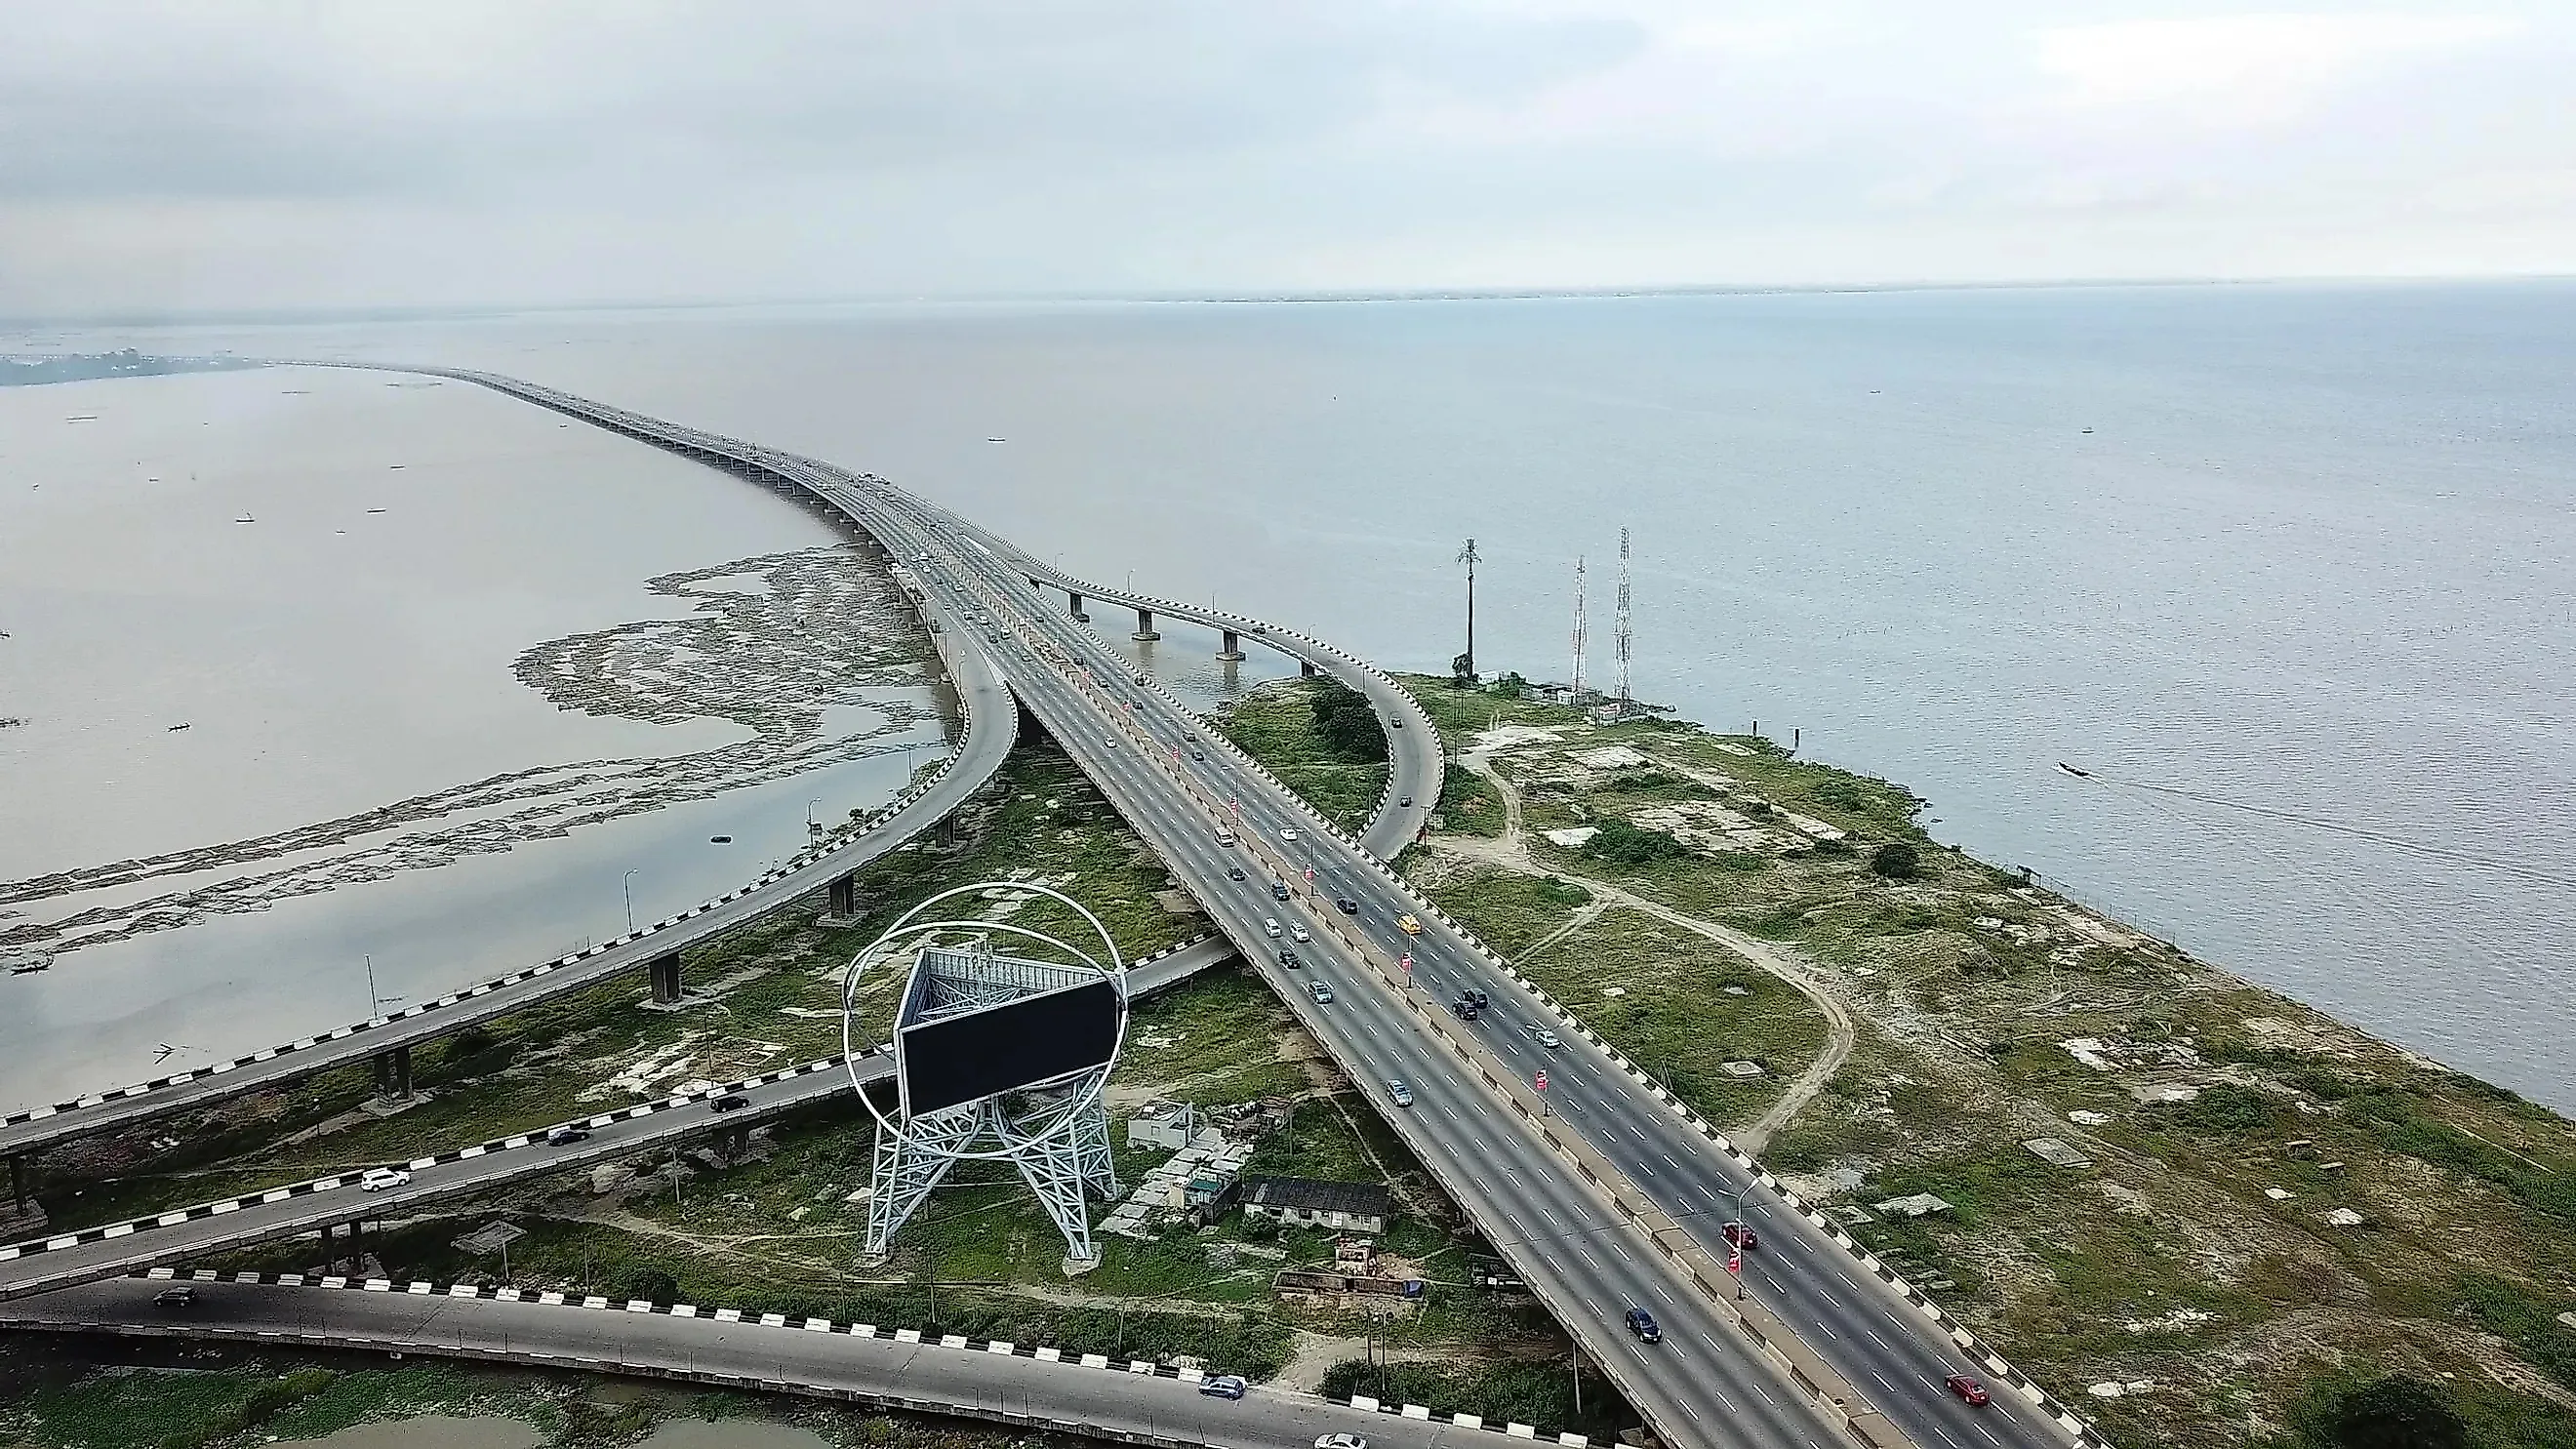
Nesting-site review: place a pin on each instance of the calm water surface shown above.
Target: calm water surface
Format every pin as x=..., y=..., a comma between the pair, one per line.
x=2305, y=548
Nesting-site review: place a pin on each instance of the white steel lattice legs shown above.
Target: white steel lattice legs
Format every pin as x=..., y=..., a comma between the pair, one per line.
x=906, y=1171
x=1059, y=1166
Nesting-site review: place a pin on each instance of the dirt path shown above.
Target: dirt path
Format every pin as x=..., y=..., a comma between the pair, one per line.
x=1511, y=853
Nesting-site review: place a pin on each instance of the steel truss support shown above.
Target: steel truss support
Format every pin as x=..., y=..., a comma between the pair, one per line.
x=1059, y=1166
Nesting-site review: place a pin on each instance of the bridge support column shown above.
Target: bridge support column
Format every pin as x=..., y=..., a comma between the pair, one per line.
x=845, y=895
x=18, y=1176
x=1232, y=653
x=1305, y=669
x=666, y=979
x=393, y=1072
x=1075, y=606
x=1145, y=627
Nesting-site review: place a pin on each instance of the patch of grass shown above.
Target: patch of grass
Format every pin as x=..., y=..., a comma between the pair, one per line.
x=1676, y=1003
x=1469, y=804
x=1276, y=724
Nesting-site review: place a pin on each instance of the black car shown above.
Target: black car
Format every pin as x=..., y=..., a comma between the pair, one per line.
x=1199, y=755
x=1465, y=1008
x=175, y=1300
x=1403, y=801
x=1279, y=890
x=1234, y=872
x=1349, y=907
x=732, y=1102
x=1289, y=959
x=1642, y=1324
x=567, y=1136
x=1482, y=1001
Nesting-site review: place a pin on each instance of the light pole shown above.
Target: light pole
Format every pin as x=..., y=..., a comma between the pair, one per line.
x=629, y=883
x=375, y=1003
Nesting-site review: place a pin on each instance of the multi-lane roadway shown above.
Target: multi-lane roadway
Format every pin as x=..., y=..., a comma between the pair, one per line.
x=1556, y=1192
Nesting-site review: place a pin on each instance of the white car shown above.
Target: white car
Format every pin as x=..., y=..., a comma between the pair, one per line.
x=377, y=1179
x=1545, y=1037
x=1288, y=833
x=1341, y=1441
x=1298, y=935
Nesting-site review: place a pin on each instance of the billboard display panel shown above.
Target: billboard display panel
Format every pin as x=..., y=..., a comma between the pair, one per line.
x=1035, y=1039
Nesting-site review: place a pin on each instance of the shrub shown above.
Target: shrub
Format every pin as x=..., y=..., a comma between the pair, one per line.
x=2395, y=1412
x=1621, y=843
x=1896, y=860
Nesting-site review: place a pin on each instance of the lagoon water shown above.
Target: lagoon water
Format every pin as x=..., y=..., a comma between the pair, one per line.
x=2306, y=549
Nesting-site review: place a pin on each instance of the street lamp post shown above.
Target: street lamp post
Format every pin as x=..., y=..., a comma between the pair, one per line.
x=628, y=881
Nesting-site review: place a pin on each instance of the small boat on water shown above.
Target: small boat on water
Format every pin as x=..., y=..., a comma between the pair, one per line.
x=245, y=518
x=41, y=963
x=719, y=840
x=174, y=729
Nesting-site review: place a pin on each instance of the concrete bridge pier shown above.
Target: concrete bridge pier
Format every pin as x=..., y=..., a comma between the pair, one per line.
x=666, y=979
x=1232, y=653
x=1305, y=669
x=1076, y=607
x=393, y=1072
x=1145, y=627
x=18, y=1182
x=845, y=895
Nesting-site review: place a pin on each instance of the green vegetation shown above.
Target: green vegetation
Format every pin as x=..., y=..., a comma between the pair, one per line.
x=1540, y=1394
x=1321, y=739
x=2314, y=1187
x=1896, y=860
x=1621, y=843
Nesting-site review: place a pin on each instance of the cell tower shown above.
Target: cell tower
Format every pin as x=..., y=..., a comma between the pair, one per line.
x=995, y=1059
x=1622, y=639
x=1582, y=630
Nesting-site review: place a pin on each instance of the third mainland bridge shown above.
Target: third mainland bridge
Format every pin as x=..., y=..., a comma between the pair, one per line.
x=1601, y=1194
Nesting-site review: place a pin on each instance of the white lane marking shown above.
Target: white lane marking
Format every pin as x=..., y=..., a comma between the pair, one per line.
x=1658, y=1290
x=1723, y=1399
x=1927, y=1383
x=1827, y=1332
x=1946, y=1439
x=1882, y=1382
x=1829, y=1298
x=1989, y=1438
x=1587, y=1257
x=1774, y=1282
x=1766, y=1395
x=1882, y=1343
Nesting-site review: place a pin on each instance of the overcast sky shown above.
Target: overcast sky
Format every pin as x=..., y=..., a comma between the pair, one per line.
x=214, y=154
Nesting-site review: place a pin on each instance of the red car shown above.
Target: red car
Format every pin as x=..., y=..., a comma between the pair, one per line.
x=1742, y=1237
x=1968, y=1389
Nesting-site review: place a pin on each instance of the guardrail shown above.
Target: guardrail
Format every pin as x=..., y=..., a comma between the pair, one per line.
x=793, y=1323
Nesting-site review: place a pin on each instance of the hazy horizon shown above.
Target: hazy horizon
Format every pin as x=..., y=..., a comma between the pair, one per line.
x=255, y=157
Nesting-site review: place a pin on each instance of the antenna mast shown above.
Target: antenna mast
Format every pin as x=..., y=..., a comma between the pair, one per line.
x=1582, y=632
x=1622, y=640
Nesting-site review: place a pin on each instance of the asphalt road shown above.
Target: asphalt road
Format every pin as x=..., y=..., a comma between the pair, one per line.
x=973, y=1381
x=992, y=728
x=1588, y=1263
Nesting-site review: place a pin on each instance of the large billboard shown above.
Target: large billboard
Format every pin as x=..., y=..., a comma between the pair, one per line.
x=957, y=1058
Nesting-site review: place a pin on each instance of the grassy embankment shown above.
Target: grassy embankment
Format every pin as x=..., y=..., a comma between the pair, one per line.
x=1340, y=773
x=2196, y=1255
